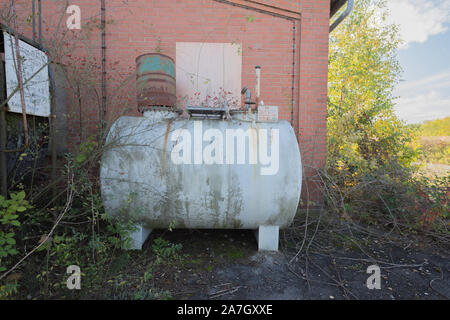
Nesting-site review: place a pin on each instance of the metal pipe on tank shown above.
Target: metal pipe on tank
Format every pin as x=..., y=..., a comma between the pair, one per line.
x=258, y=100
x=258, y=81
x=248, y=97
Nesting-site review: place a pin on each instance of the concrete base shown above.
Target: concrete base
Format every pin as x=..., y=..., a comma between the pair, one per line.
x=267, y=237
x=138, y=237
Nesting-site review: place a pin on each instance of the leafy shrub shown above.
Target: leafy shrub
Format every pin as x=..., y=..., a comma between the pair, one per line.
x=9, y=214
x=390, y=196
x=435, y=150
x=84, y=236
x=164, y=250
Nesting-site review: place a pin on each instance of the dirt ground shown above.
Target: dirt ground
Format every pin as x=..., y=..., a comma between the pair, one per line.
x=225, y=264
x=432, y=169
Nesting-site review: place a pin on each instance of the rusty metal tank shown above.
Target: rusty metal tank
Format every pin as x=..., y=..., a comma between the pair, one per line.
x=155, y=81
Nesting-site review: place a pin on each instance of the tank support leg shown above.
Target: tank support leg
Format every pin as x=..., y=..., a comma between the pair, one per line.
x=268, y=238
x=138, y=237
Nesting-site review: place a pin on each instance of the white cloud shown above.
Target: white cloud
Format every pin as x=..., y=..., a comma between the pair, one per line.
x=435, y=81
x=419, y=19
x=423, y=107
x=424, y=99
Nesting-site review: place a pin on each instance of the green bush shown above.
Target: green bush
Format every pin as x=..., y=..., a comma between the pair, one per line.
x=9, y=219
x=84, y=236
x=164, y=250
x=435, y=150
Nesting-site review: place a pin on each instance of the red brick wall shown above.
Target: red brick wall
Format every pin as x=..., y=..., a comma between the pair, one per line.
x=134, y=27
x=313, y=90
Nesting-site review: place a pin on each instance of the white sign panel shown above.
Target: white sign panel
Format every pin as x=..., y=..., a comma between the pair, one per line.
x=37, y=90
x=208, y=74
x=267, y=113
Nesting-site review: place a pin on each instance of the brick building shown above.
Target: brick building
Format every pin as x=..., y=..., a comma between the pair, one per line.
x=288, y=39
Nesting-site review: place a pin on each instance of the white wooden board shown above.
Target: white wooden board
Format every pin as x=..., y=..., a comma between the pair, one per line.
x=37, y=90
x=208, y=69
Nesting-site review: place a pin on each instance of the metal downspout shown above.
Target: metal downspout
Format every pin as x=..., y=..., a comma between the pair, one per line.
x=33, y=10
x=294, y=30
x=350, y=4
x=52, y=118
x=103, y=36
x=40, y=21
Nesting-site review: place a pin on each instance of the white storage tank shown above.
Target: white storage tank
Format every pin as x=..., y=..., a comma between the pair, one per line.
x=161, y=170
x=215, y=170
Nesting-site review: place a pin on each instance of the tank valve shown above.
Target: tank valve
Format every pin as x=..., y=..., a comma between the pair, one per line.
x=248, y=97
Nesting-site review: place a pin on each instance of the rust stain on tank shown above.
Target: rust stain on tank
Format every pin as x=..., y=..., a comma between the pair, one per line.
x=163, y=159
x=254, y=148
x=271, y=138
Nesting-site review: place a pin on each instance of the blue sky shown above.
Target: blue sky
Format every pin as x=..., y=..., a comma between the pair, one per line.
x=424, y=93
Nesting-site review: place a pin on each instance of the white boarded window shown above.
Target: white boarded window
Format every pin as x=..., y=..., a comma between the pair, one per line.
x=36, y=89
x=209, y=73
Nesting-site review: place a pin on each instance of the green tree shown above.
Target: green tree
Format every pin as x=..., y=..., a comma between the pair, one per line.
x=370, y=173
x=364, y=134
